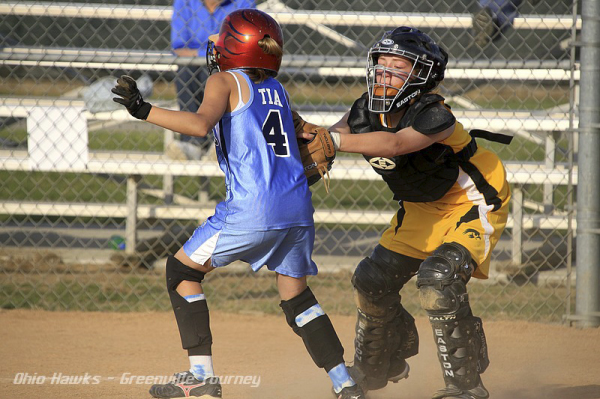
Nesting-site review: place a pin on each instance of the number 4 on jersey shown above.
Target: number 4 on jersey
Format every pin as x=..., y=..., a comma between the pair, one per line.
x=274, y=134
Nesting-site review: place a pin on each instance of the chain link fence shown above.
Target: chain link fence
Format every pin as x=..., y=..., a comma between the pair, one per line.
x=91, y=201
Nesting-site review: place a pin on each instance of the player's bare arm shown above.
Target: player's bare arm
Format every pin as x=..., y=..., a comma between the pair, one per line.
x=215, y=104
x=218, y=89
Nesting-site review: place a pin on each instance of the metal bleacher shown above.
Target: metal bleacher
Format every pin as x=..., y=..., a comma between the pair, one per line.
x=519, y=122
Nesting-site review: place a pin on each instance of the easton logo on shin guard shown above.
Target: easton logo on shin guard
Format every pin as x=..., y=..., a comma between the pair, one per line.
x=359, y=340
x=442, y=317
x=443, y=352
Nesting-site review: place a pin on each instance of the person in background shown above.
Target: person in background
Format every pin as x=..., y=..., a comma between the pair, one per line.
x=193, y=21
x=493, y=18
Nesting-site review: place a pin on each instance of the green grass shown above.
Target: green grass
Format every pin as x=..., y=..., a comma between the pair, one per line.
x=514, y=103
x=520, y=149
x=146, y=140
x=59, y=187
x=132, y=139
x=122, y=293
x=247, y=292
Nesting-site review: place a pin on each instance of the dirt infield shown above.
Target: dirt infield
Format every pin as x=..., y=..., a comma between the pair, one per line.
x=117, y=354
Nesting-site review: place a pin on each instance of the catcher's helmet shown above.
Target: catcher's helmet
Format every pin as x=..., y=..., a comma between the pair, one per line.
x=237, y=42
x=428, y=65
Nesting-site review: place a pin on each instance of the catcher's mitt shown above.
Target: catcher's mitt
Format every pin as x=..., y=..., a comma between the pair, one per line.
x=318, y=153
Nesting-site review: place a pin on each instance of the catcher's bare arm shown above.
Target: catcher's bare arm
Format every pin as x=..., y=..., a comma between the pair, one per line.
x=386, y=144
x=383, y=144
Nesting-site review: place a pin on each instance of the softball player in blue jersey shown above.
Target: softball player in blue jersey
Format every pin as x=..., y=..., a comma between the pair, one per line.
x=266, y=217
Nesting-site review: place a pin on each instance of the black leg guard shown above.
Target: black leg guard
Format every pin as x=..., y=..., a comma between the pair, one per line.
x=459, y=336
x=408, y=345
x=383, y=344
x=386, y=334
x=318, y=333
x=192, y=317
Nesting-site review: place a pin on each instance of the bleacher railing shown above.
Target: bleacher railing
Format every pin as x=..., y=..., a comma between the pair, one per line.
x=122, y=188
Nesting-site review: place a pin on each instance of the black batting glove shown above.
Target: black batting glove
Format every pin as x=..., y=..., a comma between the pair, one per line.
x=131, y=98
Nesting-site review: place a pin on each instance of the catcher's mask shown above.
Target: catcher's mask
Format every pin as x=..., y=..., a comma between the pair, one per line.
x=236, y=45
x=428, y=65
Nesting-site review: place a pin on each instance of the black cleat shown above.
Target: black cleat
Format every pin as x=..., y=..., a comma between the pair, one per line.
x=397, y=372
x=453, y=392
x=185, y=385
x=353, y=392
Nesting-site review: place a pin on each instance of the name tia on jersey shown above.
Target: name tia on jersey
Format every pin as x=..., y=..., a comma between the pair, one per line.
x=268, y=98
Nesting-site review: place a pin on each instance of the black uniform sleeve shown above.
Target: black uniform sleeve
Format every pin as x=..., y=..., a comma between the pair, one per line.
x=429, y=115
x=358, y=120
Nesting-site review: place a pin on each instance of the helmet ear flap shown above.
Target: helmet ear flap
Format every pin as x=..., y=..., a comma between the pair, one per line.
x=444, y=54
x=440, y=68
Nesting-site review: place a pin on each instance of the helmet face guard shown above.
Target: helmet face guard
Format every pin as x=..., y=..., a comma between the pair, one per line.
x=384, y=97
x=428, y=66
x=236, y=45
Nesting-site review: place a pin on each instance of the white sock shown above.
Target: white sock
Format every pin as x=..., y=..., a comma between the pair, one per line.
x=201, y=367
x=340, y=378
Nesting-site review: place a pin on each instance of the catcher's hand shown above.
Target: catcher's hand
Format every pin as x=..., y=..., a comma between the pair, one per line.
x=131, y=98
x=318, y=153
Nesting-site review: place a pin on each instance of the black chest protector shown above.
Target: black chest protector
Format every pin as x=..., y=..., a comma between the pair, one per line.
x=424, y=175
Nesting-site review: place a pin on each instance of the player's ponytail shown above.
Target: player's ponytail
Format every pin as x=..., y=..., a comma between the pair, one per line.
x=271, y=47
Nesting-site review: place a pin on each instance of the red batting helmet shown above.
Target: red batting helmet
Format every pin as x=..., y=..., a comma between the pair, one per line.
x=237, y=43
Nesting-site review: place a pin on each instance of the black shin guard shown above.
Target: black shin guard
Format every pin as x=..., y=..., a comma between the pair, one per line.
x=462, y=350
x=192, y=317
x=459, y=336
x=386, y=336
x=318, y=333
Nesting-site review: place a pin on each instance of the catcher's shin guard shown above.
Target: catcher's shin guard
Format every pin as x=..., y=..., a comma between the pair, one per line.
x=386, y=334
x=459, y=336
x=304, y=314
x=383, y=341
x=192, y=317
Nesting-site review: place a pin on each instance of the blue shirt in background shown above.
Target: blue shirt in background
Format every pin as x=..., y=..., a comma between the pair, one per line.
x=192, y=24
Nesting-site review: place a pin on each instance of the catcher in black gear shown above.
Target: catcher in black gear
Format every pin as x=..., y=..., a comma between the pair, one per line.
x=453, y=206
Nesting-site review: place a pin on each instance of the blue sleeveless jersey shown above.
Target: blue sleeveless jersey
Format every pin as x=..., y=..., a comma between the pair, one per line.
x=257, y=150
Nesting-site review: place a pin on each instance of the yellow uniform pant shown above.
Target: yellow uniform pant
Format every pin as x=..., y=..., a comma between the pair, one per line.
x=462, y=216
